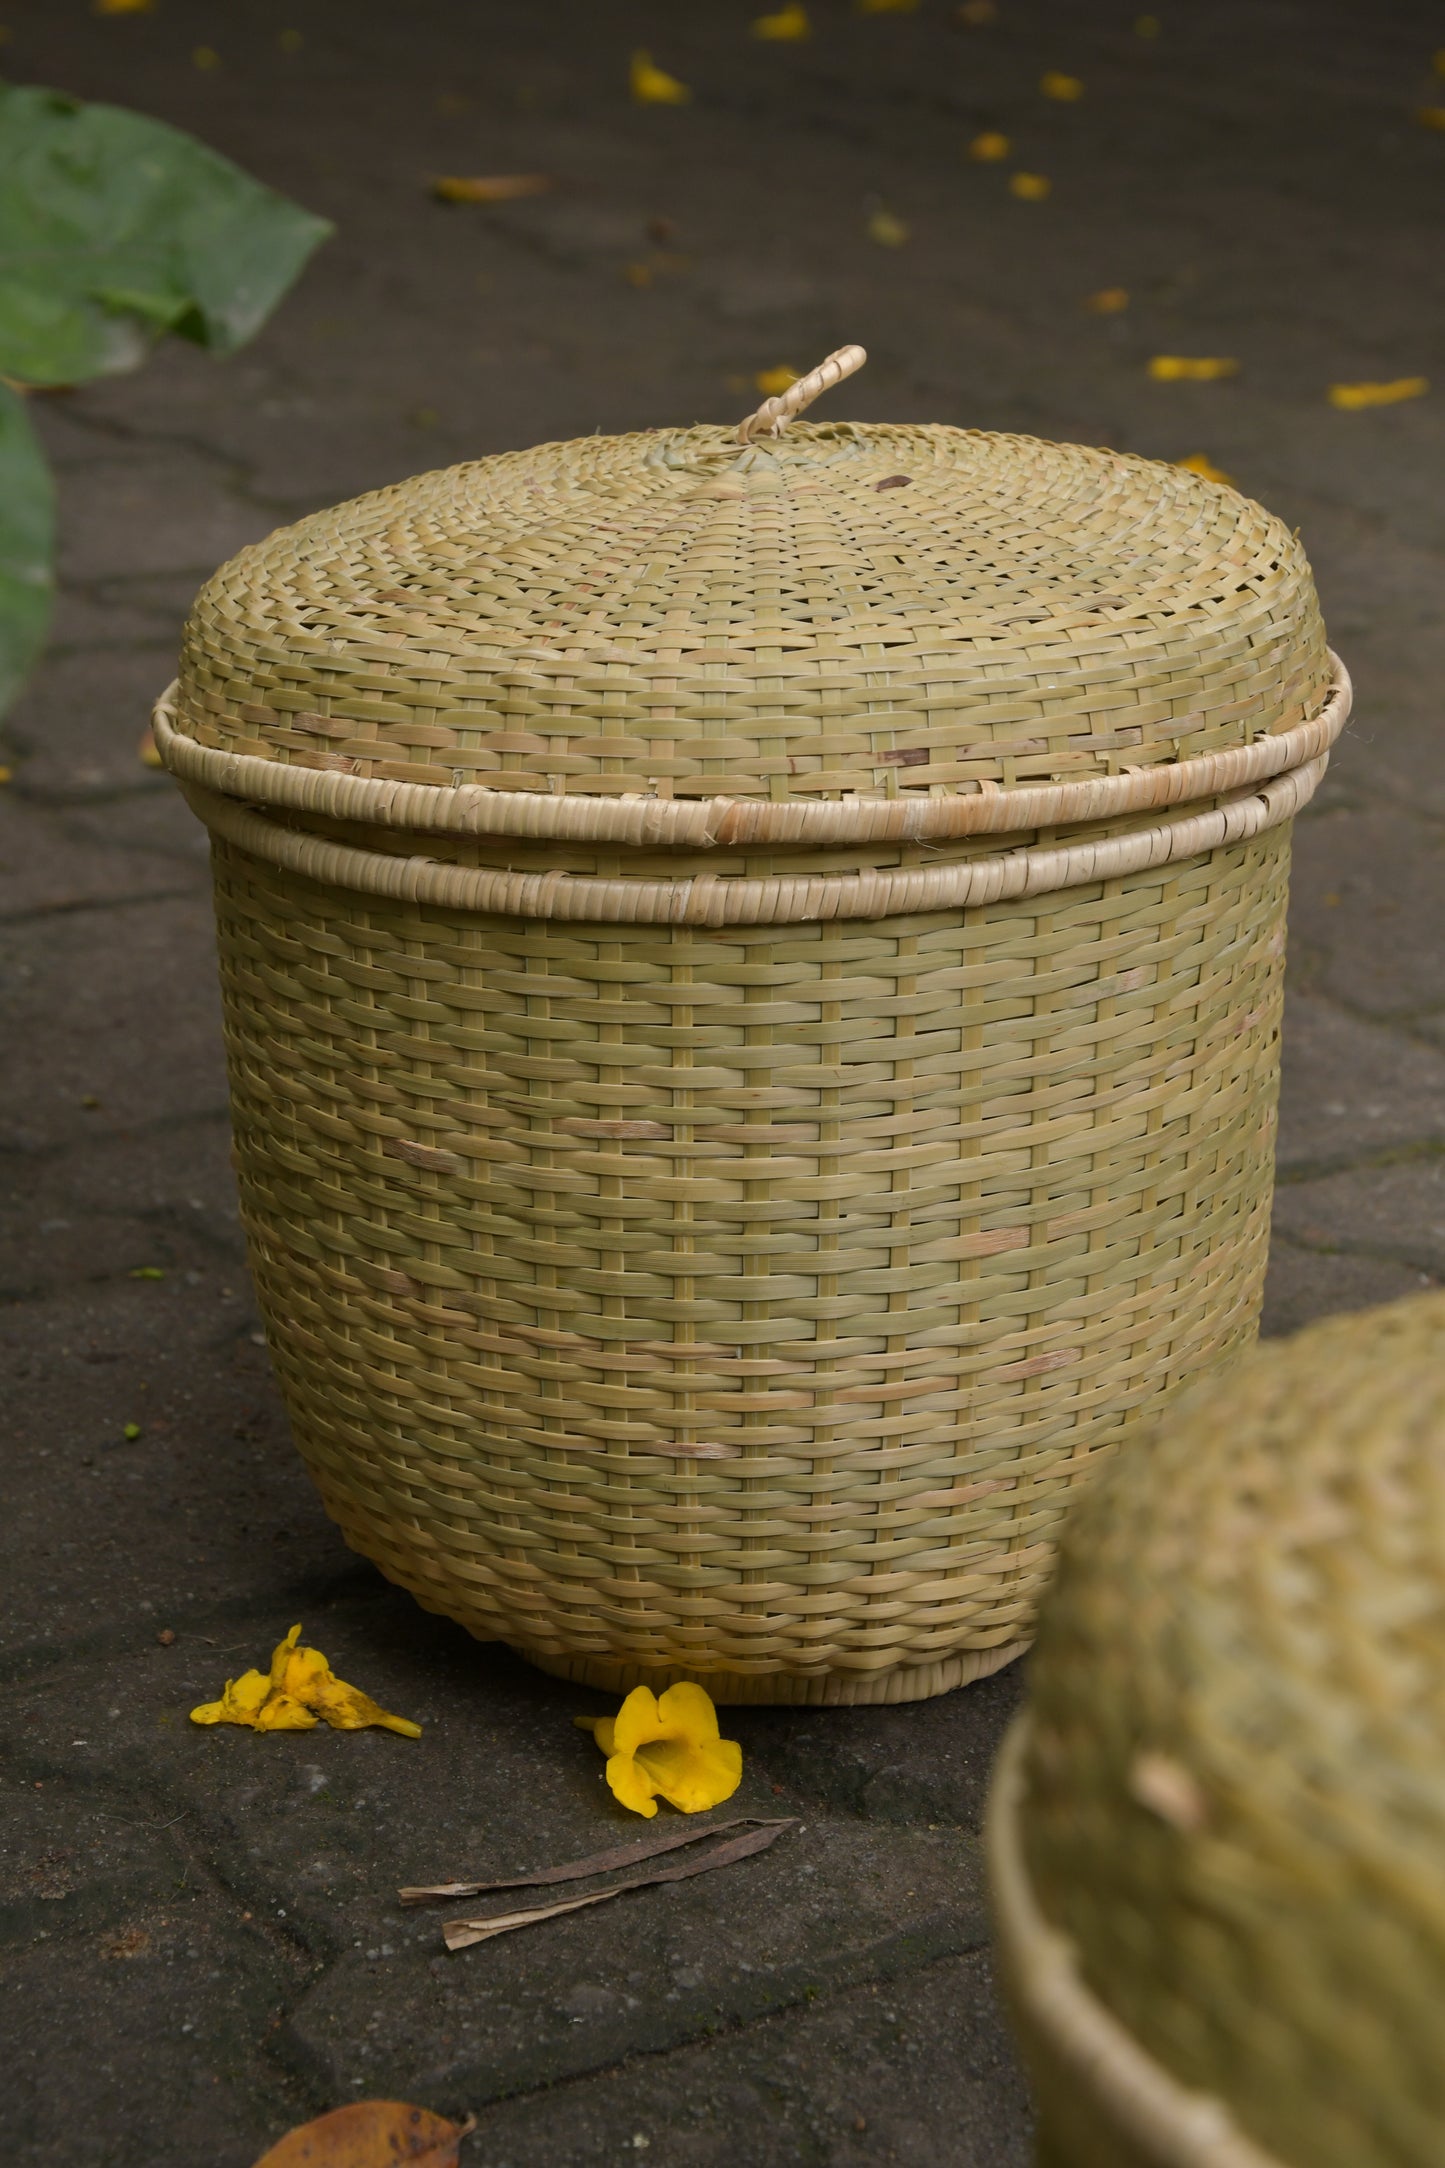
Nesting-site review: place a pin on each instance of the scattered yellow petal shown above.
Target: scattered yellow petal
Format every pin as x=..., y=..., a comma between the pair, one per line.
x=1431, y=116
x=1029, y=187
x=6, y=774
x=290, y=41
x=637, y=274
x=1146, y=26
x=146, y=1272
x=885, y=7
x=297, y=1692
x=772, y=382
x=1108, y=301
x=654, y=86
x=130, y=1432
x=205, y=57
x=978, y=12
x=989, y=147
x=1191, y=368
x=1201, y=463
x=886, y=230
x=788, y=27
x=146, y=751
x=1063, y=89
x=367, y=2132
x=1354, y=396
x=488, y=187
x=667, y=1747
x=123, y=7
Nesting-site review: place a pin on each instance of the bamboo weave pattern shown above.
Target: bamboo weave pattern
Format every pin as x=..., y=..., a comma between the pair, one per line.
x=1234, y=1783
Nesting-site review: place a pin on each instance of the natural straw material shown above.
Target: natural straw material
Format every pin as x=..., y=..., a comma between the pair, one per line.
x=711, y=1202
x=1218, y=1844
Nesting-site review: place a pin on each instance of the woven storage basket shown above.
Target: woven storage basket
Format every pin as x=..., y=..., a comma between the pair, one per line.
x=752, y=982
x=1218, y=1839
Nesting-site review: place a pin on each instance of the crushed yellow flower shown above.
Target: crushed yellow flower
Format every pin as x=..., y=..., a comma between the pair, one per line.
x=1431, y=116
x=1108, y=301
x=1063, y=89
x=1354, y=396
x=654, y=86
x=1191, y=368
x=989, y=147
x=1029, y=187
x=886, y=230
x=295, y=1694
x=772, y=382
x=1201, y=463
x=667, y=1748
x=788, y=27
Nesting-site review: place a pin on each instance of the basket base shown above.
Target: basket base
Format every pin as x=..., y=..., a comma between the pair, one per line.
x=787, y=1689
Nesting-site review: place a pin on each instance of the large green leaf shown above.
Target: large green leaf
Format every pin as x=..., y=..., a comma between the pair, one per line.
x=115, y=229
x=27, y=545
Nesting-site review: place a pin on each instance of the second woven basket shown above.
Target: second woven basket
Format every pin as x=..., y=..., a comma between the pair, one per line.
x=752, y=983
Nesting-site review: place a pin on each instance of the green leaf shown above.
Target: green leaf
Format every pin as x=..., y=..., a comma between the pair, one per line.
x=115, y=229
x=27, y=545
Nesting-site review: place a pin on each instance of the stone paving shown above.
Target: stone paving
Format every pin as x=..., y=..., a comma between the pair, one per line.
x=200, y=1945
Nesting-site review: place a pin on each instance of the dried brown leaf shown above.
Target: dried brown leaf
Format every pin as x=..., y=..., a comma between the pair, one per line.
x=461, y=1934
x=371, y=2134
x=577, y=1870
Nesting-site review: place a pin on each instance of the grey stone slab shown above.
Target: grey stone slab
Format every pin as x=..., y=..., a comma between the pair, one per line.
x=1395, y=1213
x=1368, y=903
x=76, y=729
x=1353, y=1089
x=145, y=847
x=916, y=2071
x=1304, y=1284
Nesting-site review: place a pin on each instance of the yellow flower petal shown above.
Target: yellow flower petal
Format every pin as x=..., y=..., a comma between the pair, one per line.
x=1063, y=89
x=773, y=381
x=886, y=230
x=1029, y=187
x=281, y=1656
x=988, y=148
x=278, y=1712
x=687, y=1711
x=239, y=1703
x=653, y=85
x=1191, y=368
x=637, y=1721
x=789, y=26
x=631, y=1784
x=1108, y=301
x=690, y=1777
x=1353, y=396
x=1200, y=463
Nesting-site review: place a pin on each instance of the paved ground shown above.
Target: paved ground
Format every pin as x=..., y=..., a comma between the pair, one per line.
x=199, y=1945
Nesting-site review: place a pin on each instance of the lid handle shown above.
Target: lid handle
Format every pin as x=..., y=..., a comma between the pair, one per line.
x=774, y=415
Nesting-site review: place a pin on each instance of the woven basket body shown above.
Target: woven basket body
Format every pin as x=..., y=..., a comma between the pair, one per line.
x=1216, y=1840
x=748, y=1077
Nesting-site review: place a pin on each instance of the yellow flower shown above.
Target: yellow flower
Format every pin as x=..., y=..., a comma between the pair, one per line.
x=989, y=147
x=788, y=27
x=1108, y=301
x=298, y=1690
x=1201, y=463
x=772, y=382
x=654, y=86
x=667, y=1748
x=1354, y=396
x=1029, y=187
x=1063, y=89
x=1191, y=368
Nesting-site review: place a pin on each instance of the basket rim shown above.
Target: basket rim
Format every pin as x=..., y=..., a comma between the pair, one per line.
x=1172, y=2125
x=636, y=819
x=704, y=900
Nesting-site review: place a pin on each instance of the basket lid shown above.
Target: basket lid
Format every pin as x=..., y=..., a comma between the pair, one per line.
x=848, y=611
x=1235, y=1781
